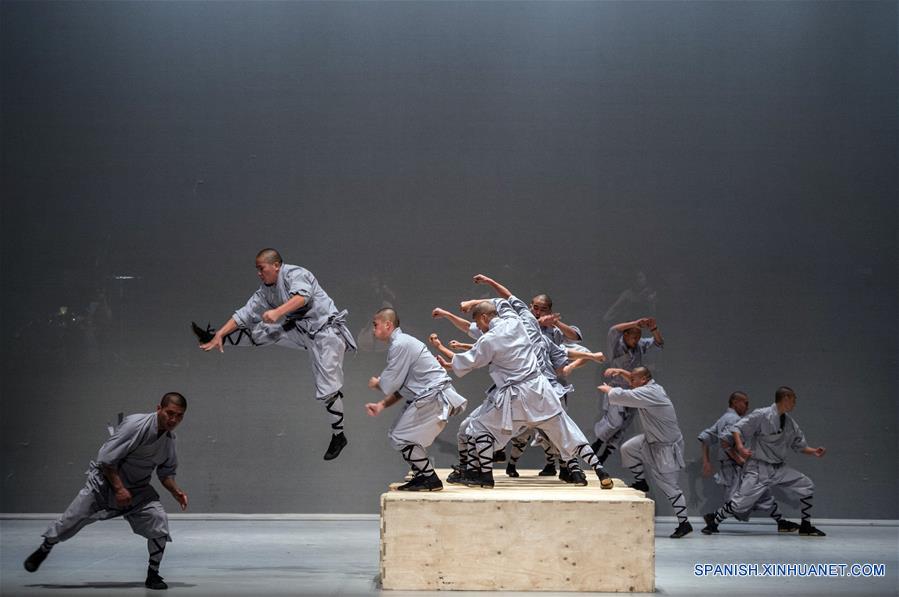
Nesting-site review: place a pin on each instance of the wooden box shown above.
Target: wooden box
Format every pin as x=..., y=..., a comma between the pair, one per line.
x=528, y=534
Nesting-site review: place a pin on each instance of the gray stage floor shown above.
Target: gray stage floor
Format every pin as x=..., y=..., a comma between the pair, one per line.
x=340, y=557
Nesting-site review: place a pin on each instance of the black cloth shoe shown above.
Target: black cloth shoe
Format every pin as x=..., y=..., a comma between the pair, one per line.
x=154, y=581
x=564, y=474
x=511, y=470
x=786, y=526
x=640, y=485
x=202, y=335
x=33, y=562
x=338, y=443
x=684, y=528
x=576, y=477
x=711, y=527
x=807, y=530
x=479, y=479
x=422, y=483
x=548, y=471
x=455, y=477
x=605, y=479
x=499, y=456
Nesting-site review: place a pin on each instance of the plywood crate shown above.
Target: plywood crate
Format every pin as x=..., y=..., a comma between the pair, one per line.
x=528, y=534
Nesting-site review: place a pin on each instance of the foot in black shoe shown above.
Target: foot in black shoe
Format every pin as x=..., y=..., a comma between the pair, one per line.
x=33, y=562
x=548, y=471
x=422, y=483
x=786, y=526
x=338, y=443
x=202, y=335
x=511, y=470
x=499, y=456
x=640, y=485
x=605, y=479
x=565, y=474
x=577, y=477
x=455, y=477
x=807, y=530
x=479, y=479
x=711, y=527
x=154, y=581
x=684, y=528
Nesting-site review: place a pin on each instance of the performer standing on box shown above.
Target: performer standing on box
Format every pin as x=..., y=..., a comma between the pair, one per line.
x=626, y=348
x=763, y=438
x=523, y=397
x=413, y=372
x=291, y=309
x=659, y=450
x=118, y=484
x=718, y=440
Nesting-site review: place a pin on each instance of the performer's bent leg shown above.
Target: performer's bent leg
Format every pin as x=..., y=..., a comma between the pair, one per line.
x=632, y=459
x=565, y=435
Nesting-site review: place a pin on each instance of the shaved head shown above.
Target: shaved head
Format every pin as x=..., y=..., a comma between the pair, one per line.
x=173, y=398
x=269, y=256
x=483, y=308
x=642, y=372
x=388, y=314
x=543, y=298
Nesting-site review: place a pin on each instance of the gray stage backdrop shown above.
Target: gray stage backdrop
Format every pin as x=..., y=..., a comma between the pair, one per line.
x=727, y=167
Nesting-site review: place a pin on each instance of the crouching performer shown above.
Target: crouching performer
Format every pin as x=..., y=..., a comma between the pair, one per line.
x=413, y=372
x=118, y=484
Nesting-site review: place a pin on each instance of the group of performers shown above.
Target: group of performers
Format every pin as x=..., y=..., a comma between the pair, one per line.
x=529, y=354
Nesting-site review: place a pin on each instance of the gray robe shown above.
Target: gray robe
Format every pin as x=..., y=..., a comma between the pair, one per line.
x=136, y=450
x=414, y=373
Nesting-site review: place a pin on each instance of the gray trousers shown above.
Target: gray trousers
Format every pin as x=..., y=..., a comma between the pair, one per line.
x=560, y=429
x=326, y=351
x=419, y=424
x=613, y=423
x=760, y=477
x=728, y=476
x=637, y=451
x=145, y=514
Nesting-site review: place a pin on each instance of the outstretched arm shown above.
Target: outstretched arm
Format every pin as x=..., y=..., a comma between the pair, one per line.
x=216, y=342
x=434, y=340
x=637, y=323
x=501, y=290
x=460, y=323
x=568, y=331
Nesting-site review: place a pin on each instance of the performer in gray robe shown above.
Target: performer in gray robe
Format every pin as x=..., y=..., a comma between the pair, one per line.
x=118, y=484
x=523, y=397
x=626, y=350
x=413, y=372
x=763, y=438
x=659, y=450
x=556, y=363
x=717, y=441
x=290, y=309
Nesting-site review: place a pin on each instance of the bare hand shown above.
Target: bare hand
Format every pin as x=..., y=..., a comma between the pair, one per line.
x=373, y=409
x=481, y=279
x=216, y=342
x=456, y=345
x=744, y=452
x=122, y=498
x=271, y=316
x=181, y=498
x=549, y=320
x=438, y=312
x=739, y=459
x=604, y=388
x=374, y=383
x=818, y=452
x=466, y=306
x=444, y=363
x=614, y=372
x=435, y=341
x=599, y=357
x=707, y=468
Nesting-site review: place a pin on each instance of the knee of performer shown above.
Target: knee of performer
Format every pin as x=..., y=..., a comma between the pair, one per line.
x=333, y=398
